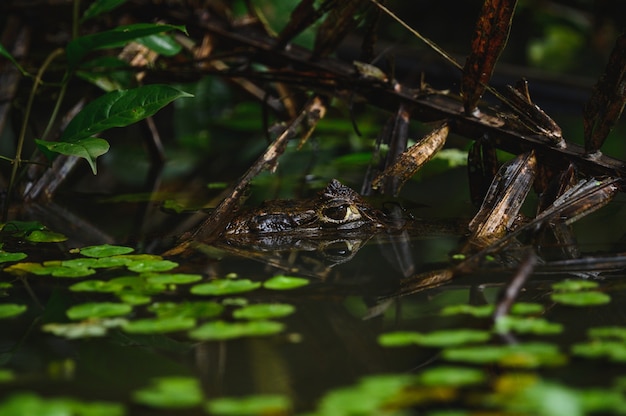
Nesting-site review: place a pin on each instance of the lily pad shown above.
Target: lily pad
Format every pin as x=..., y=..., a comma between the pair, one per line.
x=452, y=376
x=6, y=257
x=98, y=310
x=250, y=405
x=220, y=287
x=612, y=350
x=45, y=236
x=574, y=285
x=96, y=286
x=285, y=282
x=618, y=332
x=105, y=250
x=529, y=355
x=527, y=325
x=9, y=310
x=221, y=330
x=85, y=329
x=264, y=311
x=160, y=325
x=582, y=298
x=173, y=278
x=30, y=404
x=170, y=393
x=442, y=338
x=191, y=309
x=144, y=266
x=478, y=311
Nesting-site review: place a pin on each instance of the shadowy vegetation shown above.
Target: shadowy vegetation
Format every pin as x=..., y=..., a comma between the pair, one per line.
x=165, y=97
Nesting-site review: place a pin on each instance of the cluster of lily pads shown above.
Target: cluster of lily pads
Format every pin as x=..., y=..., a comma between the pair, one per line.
x=138, y=289
x=149, y=276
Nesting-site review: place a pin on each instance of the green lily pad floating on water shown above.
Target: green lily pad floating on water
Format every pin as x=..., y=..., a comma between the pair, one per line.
x=250, y=405
x=477, y=311
x=527, y=325
x=221, y=330
x=98, y=310
x=373, y=395
x=22, y=404
x=173, y=278
x=199, y=309
x=145, y=266
x=80, y=263
x=583, y=298
x=528, y=355
x=170, y=393
x=85, y=329
x=220, y=287
x=9, y=310
x=452, y=376
x=442, y=338
x=105, y=250
x=611, y=332
x=159, y=325
x=45, y=236
x=264, y=311
x=285, y=282
x=6, y=257
x=103, y=286
x=574, y=285
x=612, y=350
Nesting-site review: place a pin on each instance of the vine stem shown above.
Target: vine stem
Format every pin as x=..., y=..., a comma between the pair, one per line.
x=17, y=161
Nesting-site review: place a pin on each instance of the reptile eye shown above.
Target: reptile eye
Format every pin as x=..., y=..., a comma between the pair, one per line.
x=339, y=213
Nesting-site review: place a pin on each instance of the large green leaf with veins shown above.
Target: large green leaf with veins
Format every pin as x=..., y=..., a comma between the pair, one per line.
x=120, y=109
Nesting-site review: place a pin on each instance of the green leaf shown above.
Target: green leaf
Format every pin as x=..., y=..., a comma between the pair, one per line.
x=96, y=286
x=574, y=285
x=173, y=278
x=45, y=236
x=113, y=38
x=192, y=309
x=84, y=329
x=98, y=310
x=478, y=311
x=88, y=148
x=285, y=282
x=221, y=330
x=21, y=403
x=170, y=393
x=526, y=325
x=590, y=298
x=529, y=355
x=9, y=310
x=100, y=6
x=105, y=250
x=221, y=287
x=613, y=350
x=398, y=338
x=250, y=405
x=8, y=257
x=120, y=109
x=441, y=338
x=161, y=43
x=618, y=332
x=157, y=265
x=159, y=325
x=7, y=54
x=264, y=311
x=452, y=376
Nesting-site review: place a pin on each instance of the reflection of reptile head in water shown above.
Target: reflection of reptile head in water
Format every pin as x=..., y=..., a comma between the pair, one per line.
x=336, y=208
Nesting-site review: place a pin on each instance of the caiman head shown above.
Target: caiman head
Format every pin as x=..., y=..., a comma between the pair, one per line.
x=336, y=208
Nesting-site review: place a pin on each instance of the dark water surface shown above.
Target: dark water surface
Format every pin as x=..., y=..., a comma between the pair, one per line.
x=331, y=341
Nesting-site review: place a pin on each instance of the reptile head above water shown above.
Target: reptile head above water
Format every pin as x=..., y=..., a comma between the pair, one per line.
x=337, y=207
